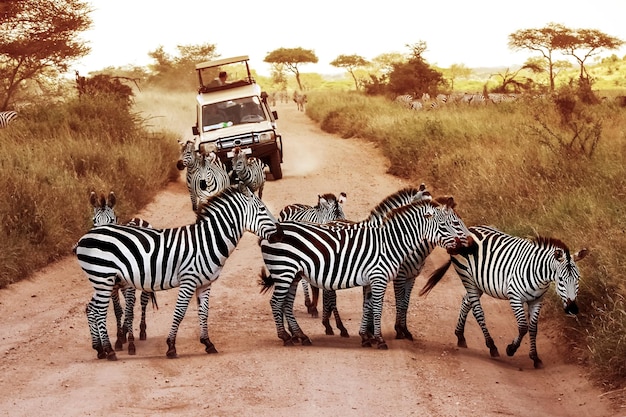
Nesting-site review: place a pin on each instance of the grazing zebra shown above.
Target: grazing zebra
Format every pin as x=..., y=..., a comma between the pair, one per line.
x=6, y=117
x=103, y=213
x=300, y=100
x=190, y=257
x=328, y=208
x=515, y=269
x=249, y=170
x=340, y=255
x=206, y=175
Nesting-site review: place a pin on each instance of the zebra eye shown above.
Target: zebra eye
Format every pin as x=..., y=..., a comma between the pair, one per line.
x=558, y=254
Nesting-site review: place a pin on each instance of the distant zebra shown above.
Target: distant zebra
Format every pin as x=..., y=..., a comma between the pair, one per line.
x=6, y=117
x=340, y=255
x=515, y=269
x=249, y=170
x=404, y=100
x=190, y=257
x=300, y=100
x=206, y=175
x=328, y=208
x=103, y=213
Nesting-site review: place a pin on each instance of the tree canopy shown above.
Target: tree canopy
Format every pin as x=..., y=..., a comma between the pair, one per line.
x=38, y=39
x=290, y=59
x=350, y=63
x=179, y=71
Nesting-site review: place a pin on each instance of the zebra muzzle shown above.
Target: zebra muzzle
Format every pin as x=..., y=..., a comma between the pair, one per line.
x=571, y=307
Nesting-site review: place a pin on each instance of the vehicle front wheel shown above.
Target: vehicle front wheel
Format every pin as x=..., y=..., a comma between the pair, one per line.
x=275, y=168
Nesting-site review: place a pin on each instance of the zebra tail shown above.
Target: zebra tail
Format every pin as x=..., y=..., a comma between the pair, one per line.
x=276, y=236
x=266, y=281
x=435, y=278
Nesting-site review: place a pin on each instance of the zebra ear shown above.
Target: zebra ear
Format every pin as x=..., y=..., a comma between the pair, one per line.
x=93, y=199
x=322, y=201
x=581, y=254
x=559, y=255
x=342, y=198
x=243, y=189
x=111, y=200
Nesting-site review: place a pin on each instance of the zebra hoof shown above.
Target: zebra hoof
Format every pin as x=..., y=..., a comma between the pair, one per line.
x=101, y=353
x=131, y=349
x=538, y=363
x=171, y=349
x=119, y=345
x=511, y=349
x=111, y=356
x=344, y=333
x=142, y=336
x=382, y=346
x=306, y=341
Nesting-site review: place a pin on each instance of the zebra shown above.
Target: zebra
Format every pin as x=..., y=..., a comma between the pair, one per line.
x=300, y=100
x=344, y=255
x=403, y=283
x=328, y=208
x=249, y=170
x=6, y=117
x=105, y=214
x=515, y=269
x=190, y=257
x=206, y=175
x=405, y=100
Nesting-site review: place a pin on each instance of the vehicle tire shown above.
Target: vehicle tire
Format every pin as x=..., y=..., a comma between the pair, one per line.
x=275, y=168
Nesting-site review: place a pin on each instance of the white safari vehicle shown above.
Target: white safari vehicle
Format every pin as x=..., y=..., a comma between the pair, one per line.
x=235, y=113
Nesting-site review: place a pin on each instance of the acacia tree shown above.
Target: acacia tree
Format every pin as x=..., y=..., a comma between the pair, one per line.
x=350, y=63
x=545, y=40
x=39, y=39
x=290, y=58
x=415, y=76
x=458, y=71
x=179, y=71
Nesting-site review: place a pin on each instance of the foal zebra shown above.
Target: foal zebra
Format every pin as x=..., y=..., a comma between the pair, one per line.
x=103, y=213
x=343, y=255
x=515, y=269
x=249, y=170
x=328, y=208
x=190, y=257
x=206, y=175
x=6, y=117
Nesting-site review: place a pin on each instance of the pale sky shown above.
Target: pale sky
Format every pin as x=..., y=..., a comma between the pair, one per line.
x=474, y=33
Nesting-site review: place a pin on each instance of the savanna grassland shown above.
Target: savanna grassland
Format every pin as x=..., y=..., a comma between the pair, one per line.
x=547, y=166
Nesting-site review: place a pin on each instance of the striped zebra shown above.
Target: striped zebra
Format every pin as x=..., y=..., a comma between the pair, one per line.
x=249, y=170
x=328, y=208
x=206, y=174
x=6, y=117
x=515, y=269
x=341, y=255
x=103, y=213
x=403, y=283
x=190, y=257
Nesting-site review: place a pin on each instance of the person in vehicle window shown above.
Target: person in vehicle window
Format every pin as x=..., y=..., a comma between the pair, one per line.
x=220, y=80
x=212, y=115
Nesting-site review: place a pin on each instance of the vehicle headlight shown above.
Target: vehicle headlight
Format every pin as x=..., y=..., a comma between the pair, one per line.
x=266, y=137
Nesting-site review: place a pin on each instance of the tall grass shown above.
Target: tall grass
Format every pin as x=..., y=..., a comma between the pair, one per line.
x=53, y=156
x=506, y=168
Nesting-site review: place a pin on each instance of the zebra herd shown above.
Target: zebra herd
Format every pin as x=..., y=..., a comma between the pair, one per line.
x=317, y=245
x=425, y=102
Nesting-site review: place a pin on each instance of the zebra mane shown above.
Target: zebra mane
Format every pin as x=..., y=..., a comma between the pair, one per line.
x=549, y=242
x=399, y=210
x=206, y=205
x=387, y=204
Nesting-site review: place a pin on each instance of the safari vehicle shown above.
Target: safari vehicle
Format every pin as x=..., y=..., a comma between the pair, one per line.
x=235, y=114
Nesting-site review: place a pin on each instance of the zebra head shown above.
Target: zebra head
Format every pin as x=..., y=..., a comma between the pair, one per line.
x=187, y=154
x=103, y=212
x=239, y=159
x=331, y=206
x=567, y=275
x=452, y=232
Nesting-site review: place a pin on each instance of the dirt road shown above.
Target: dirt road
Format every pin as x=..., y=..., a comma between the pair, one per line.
x=47, y=366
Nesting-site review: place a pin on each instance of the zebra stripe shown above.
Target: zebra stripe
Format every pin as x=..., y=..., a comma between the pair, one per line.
x=105, y=214
x=515, y=269
x=6, y=117
x=341, y=255
x=190, y=257
x=206, y=175
x=328, y=208
x=251, y=171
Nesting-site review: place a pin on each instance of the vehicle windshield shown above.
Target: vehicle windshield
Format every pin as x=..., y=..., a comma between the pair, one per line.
x=232, y=112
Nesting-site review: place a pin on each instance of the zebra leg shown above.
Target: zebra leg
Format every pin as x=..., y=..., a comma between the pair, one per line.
x=297, y=335
x=203, y=316
x=479, y=315
x=129, y=313
x=145, y=298
x=460, y=326
x=402, y=287
x=99, y=311
x=307, y=297
x=366, y=330
x=312, y=310
x=185, y=292
x=119, y=313
x=534, y=307
x=379, y=285
x=329, y=302
x=96, y=343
